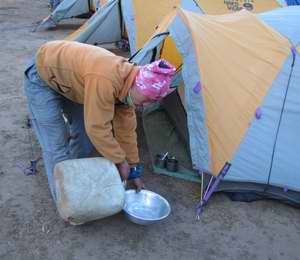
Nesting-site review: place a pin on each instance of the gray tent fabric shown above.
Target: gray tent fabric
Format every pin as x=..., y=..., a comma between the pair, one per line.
x=99, y=27
x=66, y=9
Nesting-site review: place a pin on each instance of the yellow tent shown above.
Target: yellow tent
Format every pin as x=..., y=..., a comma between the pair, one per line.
x=239, y=78
x=139, y=19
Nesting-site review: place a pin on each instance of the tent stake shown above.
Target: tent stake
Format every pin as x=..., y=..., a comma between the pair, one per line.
x=210, y=190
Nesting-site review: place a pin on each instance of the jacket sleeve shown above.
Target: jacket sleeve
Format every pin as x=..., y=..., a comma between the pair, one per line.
x=124, y=125
x=99, y=109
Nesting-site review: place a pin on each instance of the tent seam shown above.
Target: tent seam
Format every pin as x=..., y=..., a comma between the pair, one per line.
x=280, y=118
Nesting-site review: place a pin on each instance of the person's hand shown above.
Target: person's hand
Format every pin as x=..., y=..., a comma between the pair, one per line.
x=139, y=184
x=124, y=170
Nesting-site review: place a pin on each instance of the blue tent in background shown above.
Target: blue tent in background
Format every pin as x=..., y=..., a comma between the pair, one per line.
x=66, y=9
x=74, y=8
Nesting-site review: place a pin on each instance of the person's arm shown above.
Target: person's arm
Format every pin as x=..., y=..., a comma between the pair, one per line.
x=124, y=126
x=99, y=109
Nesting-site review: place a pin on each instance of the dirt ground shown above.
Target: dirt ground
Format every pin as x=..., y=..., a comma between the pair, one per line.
x=31, y=229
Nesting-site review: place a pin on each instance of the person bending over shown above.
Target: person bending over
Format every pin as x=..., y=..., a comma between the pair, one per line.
x=97, y=92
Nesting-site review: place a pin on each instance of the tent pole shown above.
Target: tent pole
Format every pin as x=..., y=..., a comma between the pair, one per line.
x=199, y=206
x=208, y=186
x=202, y=179
x=89, y=6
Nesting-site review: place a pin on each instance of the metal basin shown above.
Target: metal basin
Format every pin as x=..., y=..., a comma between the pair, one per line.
x=145, y=207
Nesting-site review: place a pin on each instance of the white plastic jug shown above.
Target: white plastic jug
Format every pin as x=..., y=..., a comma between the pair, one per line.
x=88, y=189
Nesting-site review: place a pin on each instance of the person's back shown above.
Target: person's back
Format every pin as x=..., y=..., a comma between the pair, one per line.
x=67, y=66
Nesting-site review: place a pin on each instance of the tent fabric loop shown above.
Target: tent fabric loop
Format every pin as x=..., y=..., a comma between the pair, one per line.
x=258, y=113
x=197, y=87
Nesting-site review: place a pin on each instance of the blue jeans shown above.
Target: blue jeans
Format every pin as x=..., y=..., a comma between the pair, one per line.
x=58, y=140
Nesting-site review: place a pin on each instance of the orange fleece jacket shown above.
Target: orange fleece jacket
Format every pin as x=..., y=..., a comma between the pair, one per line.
x=99, y=80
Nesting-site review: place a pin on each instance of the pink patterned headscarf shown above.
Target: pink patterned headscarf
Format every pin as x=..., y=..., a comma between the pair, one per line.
x=154, y=79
